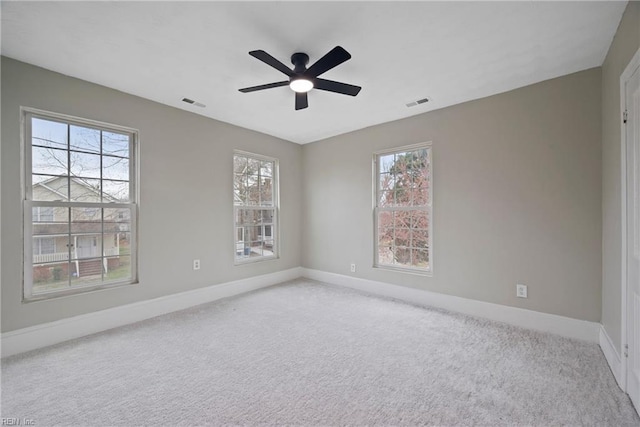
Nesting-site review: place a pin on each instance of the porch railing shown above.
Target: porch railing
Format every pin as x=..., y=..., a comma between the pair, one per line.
x=64, y=256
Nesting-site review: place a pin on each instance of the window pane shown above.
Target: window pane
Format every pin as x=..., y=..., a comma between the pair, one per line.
x=85, y=165
x=117, y=244
x=86, y=272
x=253, y=190
x=115, y=192
x=420, y=196
x=266, y=216
x=49, y=188
x=253, y=166
x=115, y=143
x=419, y=219
x=84, y=139
x=86, y=246
x=385, y=222
x=246, y=217
x=266, y=168
x=48, y=133
x=85, y=190
x=49, y=161
x=43, y=224
x=118, y=268
x=239, y=189
x=86, y=232
x=44, y=245
x=50, y=247
x=385, y=255
x=420, y=258
x=239, y=165
x=42, y=214
x=256, y=249
x=403, y=197
x=386, y=162
x=386, y=198
x=387, y=182
x=419, y=239
x=50, y=276
x=267, y=248
x=115, y=168
x=402, y=256
x=117, y=225
x=266, y=192
x=402, y=219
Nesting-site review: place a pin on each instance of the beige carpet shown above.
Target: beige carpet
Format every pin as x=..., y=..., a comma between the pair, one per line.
x=304, y=353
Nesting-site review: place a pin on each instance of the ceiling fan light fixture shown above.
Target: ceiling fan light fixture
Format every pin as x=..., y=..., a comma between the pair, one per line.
x=301, y=85
x=302, y=79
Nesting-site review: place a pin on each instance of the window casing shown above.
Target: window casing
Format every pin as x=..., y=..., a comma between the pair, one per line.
x=80, y=205
x=403, y=209
x=255, y=197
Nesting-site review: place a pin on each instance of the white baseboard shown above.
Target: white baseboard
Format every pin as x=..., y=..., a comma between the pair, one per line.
x=612, y=355
x=46, y=334
x=560, y=325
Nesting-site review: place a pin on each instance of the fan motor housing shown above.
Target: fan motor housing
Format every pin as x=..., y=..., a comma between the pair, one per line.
x=300, y=61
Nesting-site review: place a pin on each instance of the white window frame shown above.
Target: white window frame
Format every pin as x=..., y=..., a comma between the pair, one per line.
x=275, y=231
x=428, y=271
x=26, y=116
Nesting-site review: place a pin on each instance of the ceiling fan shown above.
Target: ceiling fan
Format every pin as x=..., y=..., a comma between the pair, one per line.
x=303, y=79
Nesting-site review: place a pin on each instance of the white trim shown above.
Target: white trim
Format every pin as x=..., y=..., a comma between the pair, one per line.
x=611, y=354
x=624, y=77
x=47, y=334
x=560, y=325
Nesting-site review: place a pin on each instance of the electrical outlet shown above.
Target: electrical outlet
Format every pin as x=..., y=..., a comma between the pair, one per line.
x=353, y=268
x=521, y=290
x=196, y=264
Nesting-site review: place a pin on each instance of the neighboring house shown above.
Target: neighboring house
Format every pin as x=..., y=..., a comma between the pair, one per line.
x=79, y=234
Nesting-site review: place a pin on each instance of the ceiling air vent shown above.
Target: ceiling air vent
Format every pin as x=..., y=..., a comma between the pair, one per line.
x=191, y=101
x=418, y=102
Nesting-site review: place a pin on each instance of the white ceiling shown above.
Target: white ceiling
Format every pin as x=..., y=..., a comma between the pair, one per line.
x=450, y=52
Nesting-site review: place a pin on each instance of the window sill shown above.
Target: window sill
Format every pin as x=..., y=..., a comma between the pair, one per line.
x=254, y=260
x=80, y=290
x=409, y=270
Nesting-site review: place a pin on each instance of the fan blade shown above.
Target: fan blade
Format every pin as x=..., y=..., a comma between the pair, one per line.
x=301, y=100
x=267, y=86
x=270, y=60
x=335, y=57
x=337, y=87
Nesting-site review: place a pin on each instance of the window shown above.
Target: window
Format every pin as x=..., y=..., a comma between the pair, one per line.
x=255, y=197
x=80, y=205
x=44, y=245
x=43, y=214
x=403, y=213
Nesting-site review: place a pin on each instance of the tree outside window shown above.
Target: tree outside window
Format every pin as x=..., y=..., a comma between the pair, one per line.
x=403, y=208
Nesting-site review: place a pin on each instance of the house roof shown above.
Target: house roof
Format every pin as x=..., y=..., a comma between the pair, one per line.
x=46, y=185
x=449, y=52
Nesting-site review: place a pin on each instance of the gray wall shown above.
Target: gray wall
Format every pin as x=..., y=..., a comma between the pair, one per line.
x=517, y=197
x=625, y=44
x=185, y=198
